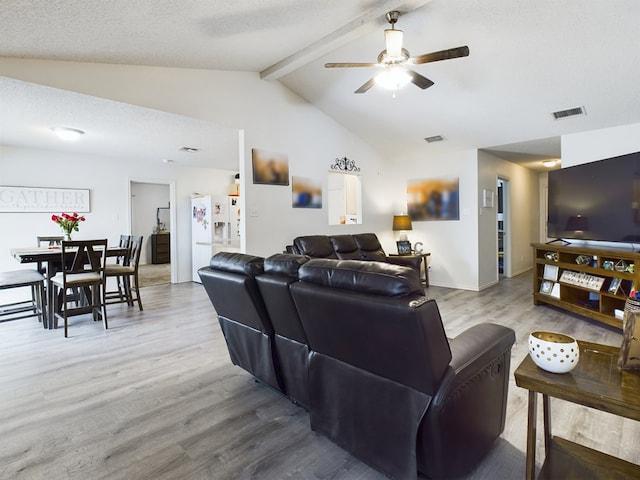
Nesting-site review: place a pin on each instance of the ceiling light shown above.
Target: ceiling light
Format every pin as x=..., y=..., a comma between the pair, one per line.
x=168, y=160
x=189, y=149
x=549, y=163
x=393, y=78
x=68, y=134
x=393, y=40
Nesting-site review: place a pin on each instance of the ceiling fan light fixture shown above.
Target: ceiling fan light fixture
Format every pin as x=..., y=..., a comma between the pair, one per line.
x=393, y=78
x=393, y=41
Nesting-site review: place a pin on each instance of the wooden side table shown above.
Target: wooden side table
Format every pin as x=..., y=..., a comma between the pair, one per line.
x=424, y=258
x=595, y=382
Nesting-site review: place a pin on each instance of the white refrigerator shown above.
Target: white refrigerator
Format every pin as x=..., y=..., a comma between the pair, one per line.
x=215, y=227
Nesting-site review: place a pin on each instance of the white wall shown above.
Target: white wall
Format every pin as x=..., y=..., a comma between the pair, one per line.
x=523, y=217
x=272, y=118
x=585, y=147
x=453, y=243
x=108, y=180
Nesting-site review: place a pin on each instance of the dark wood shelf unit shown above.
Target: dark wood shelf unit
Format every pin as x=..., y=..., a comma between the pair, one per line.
x=598, y=304
x=161, y=248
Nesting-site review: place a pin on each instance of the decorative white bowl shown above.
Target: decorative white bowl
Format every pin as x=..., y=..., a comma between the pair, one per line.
x=554, y=352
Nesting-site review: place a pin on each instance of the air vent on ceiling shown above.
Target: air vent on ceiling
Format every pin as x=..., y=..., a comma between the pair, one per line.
x=435, y=138
x=189, y=149
x=571, y=112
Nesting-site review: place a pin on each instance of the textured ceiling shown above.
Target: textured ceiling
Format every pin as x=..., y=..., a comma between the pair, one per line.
x=527, y=60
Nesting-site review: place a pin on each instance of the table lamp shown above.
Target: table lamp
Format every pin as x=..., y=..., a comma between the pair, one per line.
x=402, y=224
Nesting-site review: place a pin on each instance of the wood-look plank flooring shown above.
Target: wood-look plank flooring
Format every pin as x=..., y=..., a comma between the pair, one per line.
x=156, y=397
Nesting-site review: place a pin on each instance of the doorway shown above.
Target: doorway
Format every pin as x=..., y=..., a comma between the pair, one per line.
x=503, y=229
x=152, y=215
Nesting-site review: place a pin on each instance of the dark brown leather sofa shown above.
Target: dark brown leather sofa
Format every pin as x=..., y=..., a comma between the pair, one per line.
x=361, y=246
x=370, y=355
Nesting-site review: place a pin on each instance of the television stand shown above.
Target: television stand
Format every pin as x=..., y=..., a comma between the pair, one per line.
x=592, y=282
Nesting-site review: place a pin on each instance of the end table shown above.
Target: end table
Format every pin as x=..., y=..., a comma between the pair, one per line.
x=596, y=382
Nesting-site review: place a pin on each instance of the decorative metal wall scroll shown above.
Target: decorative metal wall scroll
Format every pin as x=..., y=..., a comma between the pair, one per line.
x=345, y=165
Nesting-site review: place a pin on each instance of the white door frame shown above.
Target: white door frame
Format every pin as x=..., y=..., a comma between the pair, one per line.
x=172, y=216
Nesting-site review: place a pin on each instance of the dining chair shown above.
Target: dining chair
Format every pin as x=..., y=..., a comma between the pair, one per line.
x=120, y=260
x=36, y=305
x=126, y=275
x=47, y=241
x=83, y=265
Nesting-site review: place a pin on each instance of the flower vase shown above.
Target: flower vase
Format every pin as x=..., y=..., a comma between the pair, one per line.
x=67, y=236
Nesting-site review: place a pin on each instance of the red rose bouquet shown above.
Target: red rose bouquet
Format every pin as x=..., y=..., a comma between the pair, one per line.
x=68, y=223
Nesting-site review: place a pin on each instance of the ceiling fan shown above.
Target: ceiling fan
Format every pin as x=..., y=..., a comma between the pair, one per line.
x=395, y=59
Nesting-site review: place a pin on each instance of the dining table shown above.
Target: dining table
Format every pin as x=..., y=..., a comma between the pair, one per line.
x=51, y=258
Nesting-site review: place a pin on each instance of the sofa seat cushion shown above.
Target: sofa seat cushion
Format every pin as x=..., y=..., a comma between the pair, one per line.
x=375, y=278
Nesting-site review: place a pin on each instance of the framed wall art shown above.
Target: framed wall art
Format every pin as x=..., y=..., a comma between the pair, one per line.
x=434, y=199
x=306, y=193
x=269, y=168
x=37, y=199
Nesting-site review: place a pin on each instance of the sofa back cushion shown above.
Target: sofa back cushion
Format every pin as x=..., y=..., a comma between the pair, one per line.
x=345, y=247
x=231, y=285
x=314, y=246
x=374, y=278
x=370, y=248
x=373, y=316
x=280, y=271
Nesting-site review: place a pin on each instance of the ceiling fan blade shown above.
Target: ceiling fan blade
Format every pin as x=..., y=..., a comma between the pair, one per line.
x=419, y=80
x=349, y=65
x=366, y=86
x=441, y=55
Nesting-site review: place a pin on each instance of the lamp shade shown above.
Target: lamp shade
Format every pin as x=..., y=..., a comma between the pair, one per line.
x=402, y=222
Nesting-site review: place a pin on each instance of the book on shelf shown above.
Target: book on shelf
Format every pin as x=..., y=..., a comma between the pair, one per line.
x=555, y=291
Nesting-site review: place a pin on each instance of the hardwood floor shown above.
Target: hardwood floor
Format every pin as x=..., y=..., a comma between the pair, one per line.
x=156, y=397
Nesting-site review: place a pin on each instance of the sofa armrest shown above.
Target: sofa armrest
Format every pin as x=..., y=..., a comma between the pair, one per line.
x=468, y=412
x=479, y=345
x=412, y=261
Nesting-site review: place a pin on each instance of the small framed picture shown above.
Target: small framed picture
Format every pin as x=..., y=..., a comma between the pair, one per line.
x=551, y=272
x=615, y=285
x=546, y=286
x=404, y=247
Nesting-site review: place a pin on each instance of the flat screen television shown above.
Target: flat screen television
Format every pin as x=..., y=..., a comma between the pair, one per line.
x=596, y=201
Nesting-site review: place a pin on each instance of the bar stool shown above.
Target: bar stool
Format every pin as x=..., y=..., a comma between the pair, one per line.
x=36, y=305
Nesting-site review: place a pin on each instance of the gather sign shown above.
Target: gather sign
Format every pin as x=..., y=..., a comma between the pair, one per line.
x=36, y=199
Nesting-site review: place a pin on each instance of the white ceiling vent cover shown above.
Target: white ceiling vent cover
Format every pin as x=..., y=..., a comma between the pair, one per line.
x=571, y=112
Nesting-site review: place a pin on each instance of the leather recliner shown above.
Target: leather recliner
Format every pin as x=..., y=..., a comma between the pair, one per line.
x=386, y=384
x=280, y=271
x=230, y=282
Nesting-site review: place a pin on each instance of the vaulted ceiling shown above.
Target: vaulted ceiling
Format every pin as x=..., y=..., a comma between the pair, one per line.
x=527, y=60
